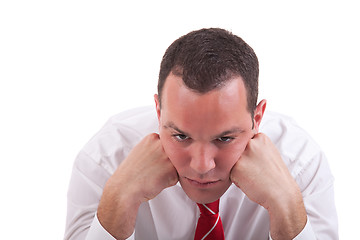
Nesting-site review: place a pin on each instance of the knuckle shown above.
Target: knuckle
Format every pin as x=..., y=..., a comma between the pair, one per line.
x=153, y=136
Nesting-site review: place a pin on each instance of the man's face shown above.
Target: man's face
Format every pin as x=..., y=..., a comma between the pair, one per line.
x=204, y=135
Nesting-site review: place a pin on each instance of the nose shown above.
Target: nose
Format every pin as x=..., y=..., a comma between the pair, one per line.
x=202, y=158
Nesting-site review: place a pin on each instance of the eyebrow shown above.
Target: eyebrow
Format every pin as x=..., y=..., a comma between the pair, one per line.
x=173, y=126
x=233, y=130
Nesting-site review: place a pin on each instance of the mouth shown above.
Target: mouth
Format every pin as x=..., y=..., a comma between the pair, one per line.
x=202, y=183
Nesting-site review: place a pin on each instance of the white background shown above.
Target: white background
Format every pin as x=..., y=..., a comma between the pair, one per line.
x=67, y=66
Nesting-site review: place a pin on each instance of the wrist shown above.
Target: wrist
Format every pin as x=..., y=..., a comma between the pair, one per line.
x=287, y=216
x=117, y=210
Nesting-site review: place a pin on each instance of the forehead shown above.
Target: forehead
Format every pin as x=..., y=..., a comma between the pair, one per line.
x=212, y=112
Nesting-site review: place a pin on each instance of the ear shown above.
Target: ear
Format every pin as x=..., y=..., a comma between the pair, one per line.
x=157, y=105
x=258, y=114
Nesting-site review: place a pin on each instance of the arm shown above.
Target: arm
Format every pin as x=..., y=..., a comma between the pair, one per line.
x=142, y=176
x=91, y=183
x=262, y=175
x=260, y=170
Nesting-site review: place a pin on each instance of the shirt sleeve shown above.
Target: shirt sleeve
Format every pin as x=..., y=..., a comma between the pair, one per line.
x=96, y=231
x=317, y=185
x=309, y=167
x=85, y=189
x=306, y=234
x=84, y=193
x=94, y=165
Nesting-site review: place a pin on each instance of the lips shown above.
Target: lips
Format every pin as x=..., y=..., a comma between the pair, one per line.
x=202, y=183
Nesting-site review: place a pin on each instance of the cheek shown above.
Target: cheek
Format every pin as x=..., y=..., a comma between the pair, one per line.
x=229, y=156
x=176, y=154
x=225, y=161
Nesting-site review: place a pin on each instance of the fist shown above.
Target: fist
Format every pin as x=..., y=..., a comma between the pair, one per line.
x=261, y=173
x=146, y=171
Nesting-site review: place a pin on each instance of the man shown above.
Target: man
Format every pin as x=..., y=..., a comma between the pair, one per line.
x=272, y=181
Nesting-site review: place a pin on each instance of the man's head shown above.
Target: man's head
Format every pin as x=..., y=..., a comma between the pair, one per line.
x=207, y=108
x=206, y=59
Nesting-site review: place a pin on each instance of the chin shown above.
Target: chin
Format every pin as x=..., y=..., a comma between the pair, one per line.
x=203, y=195
x=205, y=200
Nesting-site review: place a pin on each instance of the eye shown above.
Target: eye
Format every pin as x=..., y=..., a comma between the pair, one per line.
x=225, y=139
x=180, y=137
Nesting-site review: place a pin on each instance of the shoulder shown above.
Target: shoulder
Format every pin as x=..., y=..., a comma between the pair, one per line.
x=112, y=143
x=139, y=119
x=296, y=146
x=305, y=160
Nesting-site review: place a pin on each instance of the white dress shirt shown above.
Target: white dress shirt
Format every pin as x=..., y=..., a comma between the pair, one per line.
x=172, y=215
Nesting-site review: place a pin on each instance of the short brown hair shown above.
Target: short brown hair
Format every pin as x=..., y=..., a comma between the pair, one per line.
x=207, y=58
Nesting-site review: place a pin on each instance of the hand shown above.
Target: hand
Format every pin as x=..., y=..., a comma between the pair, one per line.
x=140, y=177
x=146, y=171
x=263, y=176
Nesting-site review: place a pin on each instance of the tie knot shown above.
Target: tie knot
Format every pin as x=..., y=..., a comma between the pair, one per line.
x=209, y=208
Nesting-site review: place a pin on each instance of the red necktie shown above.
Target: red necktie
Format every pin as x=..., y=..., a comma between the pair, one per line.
x=209, y=226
